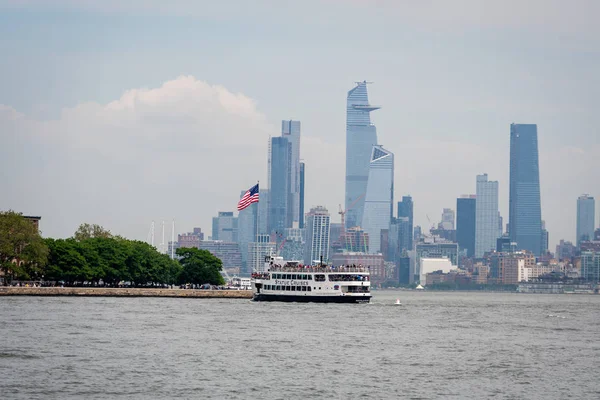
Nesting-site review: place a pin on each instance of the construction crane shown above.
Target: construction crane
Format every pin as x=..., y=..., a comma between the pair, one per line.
x=343, y=215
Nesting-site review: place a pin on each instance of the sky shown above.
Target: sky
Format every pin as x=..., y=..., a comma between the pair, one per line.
x=124, y=112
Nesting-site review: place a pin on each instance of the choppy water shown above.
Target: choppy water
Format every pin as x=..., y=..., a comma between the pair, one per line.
x=434, y=345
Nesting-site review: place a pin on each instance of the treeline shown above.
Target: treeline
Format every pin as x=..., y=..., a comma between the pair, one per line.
x=95, y=257
x=110, y=261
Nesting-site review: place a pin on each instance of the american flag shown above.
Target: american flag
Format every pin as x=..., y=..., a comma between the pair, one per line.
x=251, y=196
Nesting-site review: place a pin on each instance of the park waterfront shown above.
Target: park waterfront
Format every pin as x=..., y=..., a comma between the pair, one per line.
x=93, y=257
x=123, y=292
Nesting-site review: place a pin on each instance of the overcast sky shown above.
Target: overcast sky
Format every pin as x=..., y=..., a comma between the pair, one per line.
x=120, y=113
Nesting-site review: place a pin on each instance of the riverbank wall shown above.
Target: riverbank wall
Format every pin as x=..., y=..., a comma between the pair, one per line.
x=124, y=292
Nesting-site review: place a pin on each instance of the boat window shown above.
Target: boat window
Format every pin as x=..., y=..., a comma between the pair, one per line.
x=308, y=289
x=309, y=277
x=288, y=276
x=278, y=287
x=293, y=288
x=288, y=288
x=319, y=278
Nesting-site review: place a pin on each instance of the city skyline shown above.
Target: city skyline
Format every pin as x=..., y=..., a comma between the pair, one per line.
x=123, y=144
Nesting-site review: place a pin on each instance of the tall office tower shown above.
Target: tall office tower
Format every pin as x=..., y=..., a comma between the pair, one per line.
x=447, y=219
x=280, y=198
x=500, y=223
x=263, y=211
x=361, y=135
x=379, y=198
x=301, y=208
x=317, y=235
x=486, y=215
x=525, y=213
x=545, y=238
x=465, y=223
x=586, y=217
x=247, y=231
x=291, y=131
x=225, y=227
x=405, y=209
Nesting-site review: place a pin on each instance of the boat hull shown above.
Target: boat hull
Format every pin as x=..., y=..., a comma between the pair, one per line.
x=311, y=299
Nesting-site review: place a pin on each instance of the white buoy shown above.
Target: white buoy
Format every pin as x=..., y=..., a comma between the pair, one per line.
x=398, y=301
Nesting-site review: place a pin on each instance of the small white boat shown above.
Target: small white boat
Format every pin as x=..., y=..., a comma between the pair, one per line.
x=398, y=302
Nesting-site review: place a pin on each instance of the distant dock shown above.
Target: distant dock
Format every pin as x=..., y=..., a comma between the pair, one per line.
x=124, y=292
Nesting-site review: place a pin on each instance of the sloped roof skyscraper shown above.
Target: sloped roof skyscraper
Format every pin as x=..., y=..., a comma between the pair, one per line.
x=378, y=203
x=361, y=136
x=525, y=213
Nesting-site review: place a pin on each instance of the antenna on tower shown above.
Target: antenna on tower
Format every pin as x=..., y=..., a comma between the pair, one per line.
x=173, y=240
x=152, y=234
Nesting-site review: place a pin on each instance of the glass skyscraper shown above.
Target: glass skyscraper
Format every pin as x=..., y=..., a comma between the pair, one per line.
x=291, y=130
x=405, y=209
x=525, y=213
x=465, y=223
x=280, y=214
x=486, y=215
x=586, y=218
x=378, y=203
x=361, y=136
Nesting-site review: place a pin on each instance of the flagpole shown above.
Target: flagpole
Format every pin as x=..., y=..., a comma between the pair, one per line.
x=257, y=221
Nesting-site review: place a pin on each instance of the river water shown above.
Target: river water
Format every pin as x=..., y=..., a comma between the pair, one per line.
x=433, y=345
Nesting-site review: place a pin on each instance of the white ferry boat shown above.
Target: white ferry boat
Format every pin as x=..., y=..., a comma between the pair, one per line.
x=290, y=281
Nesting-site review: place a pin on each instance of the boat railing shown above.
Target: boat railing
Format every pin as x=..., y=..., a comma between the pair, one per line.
x=328, y=270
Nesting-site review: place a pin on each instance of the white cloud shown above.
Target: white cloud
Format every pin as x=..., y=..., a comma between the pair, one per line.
x=182, y=150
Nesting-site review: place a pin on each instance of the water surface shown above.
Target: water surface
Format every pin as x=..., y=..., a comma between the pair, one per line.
x=435, y=345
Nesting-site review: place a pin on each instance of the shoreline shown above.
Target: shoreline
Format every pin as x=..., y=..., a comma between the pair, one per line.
x=124, y=292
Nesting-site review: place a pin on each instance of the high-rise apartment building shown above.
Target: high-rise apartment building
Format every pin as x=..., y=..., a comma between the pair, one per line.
x=225, y=227
x=361, y=135
x=301, y=207
x=317, y=235
x=525, y=213
x=378, y=204
x=586, y=217
x=465, y=223
x=291, y=130
x=486, y=215
x=280, y=214
x=405, y=209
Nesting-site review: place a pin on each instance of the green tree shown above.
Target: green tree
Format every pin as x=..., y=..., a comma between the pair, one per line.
x=23, y=253
x=89, y=231
x=66, y=262
x=199, y=267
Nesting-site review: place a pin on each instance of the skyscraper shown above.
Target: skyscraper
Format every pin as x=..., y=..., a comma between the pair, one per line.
x=247, y=230
x=225, y=227
x=525, y=214
x=317, y=235
x=586, y=217
x=280, y=197
x=378, y=203
x=361, y=135
x=301, y=208
x=465, y=223
x=486, y=215
x=405, y=209
x=447, y=219
x=263, y=211
x=291, y=130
